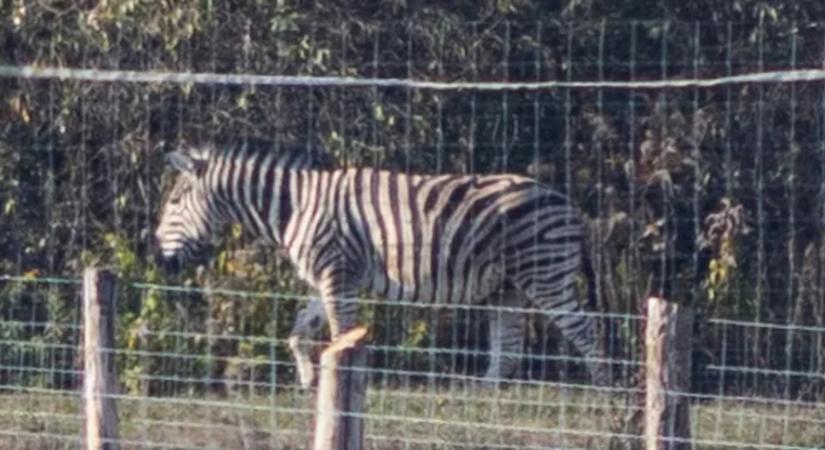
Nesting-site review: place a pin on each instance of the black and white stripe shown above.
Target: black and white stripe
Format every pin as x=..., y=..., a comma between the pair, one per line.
x=447, y=239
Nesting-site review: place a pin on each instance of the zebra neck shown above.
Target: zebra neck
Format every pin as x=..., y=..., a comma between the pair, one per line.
x=264, y=191
x=255, y=191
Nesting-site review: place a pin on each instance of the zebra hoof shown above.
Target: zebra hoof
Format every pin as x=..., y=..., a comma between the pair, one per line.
x=600, y=374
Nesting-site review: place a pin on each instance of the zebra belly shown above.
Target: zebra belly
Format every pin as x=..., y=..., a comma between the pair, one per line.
x=426, y=286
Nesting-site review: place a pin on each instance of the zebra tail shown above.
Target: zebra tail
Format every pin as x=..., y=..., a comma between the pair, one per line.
x=589, y=272
x=603, y=326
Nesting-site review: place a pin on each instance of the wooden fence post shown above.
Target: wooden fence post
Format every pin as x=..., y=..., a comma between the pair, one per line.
x=342, y=393
x=668, y=344
x=99, y=377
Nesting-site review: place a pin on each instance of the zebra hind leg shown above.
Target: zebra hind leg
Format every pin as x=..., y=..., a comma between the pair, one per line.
x=577, y=327
x=507, y=331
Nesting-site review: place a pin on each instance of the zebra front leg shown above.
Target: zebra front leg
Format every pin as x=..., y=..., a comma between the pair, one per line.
x=308, y=324
x=339, y=292
x=341, y=312
x=507, y=331
x=336, y=307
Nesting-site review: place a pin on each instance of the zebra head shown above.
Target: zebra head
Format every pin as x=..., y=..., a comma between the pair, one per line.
x=186, y=221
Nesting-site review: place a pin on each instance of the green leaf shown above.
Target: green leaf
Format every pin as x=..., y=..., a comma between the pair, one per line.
x=10, y=206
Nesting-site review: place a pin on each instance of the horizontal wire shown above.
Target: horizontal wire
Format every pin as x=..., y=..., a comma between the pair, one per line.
x=471, y=307
x=154, y=76
x=40, y=280
x=370, y=301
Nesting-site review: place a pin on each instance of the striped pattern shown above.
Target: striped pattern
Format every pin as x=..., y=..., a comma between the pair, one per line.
x=503, y=239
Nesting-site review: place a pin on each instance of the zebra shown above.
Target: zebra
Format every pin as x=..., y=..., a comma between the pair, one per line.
x=504, y=239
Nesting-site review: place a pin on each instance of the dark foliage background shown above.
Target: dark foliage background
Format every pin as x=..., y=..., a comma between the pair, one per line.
x=708, y=196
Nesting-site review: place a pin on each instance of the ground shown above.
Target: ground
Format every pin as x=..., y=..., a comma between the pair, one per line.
x=533, y=416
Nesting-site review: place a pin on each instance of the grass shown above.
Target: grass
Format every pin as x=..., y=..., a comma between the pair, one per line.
x=433, y=417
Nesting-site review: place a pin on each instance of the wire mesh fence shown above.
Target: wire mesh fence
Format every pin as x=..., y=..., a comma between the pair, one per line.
x=696, y=149
x=206, y=384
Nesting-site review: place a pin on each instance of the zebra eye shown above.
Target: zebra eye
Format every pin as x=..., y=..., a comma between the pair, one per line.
x=178, y=192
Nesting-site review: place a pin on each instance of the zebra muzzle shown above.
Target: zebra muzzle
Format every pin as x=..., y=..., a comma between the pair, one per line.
x=171, y=265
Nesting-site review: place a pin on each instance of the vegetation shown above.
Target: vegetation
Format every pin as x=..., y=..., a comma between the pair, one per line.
x=709, y=196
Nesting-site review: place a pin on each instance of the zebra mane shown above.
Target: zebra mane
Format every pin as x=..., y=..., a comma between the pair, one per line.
x=299, y=157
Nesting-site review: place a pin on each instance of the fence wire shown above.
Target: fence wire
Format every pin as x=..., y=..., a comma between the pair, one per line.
x=157, y=77
x=196, y=383
x=696, y=150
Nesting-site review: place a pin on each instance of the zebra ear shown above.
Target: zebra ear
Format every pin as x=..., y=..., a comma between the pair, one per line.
x=181, y=161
